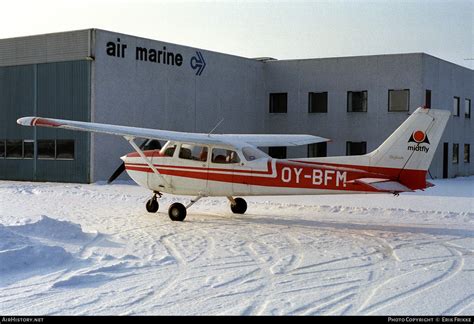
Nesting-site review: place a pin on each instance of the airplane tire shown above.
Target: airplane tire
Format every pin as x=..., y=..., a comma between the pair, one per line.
x=240, y=206
x=152, y=205
x=177, y=212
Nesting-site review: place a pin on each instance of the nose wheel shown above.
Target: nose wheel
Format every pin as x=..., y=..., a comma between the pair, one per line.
x=152, y=204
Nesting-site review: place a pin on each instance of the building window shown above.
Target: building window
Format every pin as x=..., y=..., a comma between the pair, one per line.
x=467, y=108
x=2, y=149
x=65, y=149
x=357, y=101
x=467, y=153
x=398, y=100
x=456, y=106
x=427, y=98
x=318, y=102
x=356, y=148
x=277, y=152
x=278, y=103
x=317, y=150
x=455, y=153
x=14, y=149
x=46, y=149
x=28, y=149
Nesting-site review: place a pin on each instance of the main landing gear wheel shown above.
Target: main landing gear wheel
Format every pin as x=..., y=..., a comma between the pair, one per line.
x=239, y=207
x=177, y=212
x=152, y=205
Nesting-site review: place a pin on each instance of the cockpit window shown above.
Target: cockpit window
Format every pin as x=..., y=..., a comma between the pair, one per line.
x=152, y=145
x=193, y=152
x=170, y=150
x=224, y=156
x=252, y=153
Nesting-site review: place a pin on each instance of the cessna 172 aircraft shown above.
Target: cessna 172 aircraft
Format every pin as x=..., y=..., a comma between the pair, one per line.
x=229, y=165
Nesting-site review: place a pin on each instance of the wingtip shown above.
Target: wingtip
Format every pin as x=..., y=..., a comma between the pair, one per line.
x=25, y=121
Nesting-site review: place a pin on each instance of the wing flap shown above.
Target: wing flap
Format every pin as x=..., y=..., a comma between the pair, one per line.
x=272, y=139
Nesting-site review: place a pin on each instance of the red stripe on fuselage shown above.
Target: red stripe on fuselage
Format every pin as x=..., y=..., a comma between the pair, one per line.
x=293, y=174
x=413, y=179
x=288, y=175
x=269, y=168
x=149, y=153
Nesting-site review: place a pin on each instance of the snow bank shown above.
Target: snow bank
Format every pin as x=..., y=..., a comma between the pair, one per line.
x=53, y=229
x=34, y=246
x=20, y=253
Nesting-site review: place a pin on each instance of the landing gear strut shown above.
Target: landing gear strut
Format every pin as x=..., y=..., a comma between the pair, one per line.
x=237, y=205
x=152, y=204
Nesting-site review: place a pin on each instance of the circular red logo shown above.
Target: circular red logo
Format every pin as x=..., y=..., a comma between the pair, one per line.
x=419, y=136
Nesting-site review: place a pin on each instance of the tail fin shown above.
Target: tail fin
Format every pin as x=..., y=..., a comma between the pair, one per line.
x=411, y=148
x=413, y=145
x=401, y=162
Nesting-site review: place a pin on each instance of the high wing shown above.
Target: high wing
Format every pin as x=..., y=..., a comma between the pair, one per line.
x=126, y=131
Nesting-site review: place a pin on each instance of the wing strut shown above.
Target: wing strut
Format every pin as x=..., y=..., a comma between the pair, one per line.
x=147, y=161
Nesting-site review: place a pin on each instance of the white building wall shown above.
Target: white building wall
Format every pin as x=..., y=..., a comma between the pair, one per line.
x=154, y=95
x=376, y=74
x=447, y=80
x=146, y=94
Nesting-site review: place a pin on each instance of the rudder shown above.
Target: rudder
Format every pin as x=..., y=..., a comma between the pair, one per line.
x=412, y=146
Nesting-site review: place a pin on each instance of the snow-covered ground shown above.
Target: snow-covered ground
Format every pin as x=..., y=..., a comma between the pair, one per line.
x=93, y=249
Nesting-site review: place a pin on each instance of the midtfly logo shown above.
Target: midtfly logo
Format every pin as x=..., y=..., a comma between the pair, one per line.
x=420, y=141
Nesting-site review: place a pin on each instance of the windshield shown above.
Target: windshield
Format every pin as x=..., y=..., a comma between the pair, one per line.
x=252, y=153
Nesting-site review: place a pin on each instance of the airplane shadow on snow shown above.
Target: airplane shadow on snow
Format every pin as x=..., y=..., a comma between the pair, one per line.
x=316, y=224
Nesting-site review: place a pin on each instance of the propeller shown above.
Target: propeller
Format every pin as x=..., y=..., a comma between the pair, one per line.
x=146, y=145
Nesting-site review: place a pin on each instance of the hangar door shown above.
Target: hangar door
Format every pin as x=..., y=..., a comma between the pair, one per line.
x=57, y=90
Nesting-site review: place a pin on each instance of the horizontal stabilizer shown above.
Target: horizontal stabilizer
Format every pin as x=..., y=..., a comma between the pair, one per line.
x=429, y=184
x=385, y=185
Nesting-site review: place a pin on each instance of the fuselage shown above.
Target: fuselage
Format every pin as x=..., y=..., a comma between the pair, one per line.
x=189, y=169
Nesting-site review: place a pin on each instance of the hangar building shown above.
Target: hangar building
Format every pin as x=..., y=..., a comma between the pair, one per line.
x=106, y=77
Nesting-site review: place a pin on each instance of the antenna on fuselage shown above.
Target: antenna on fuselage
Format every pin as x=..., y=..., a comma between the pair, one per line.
x=212, y=130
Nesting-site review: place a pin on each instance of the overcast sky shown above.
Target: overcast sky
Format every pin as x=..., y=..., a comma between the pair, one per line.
x=279, y=29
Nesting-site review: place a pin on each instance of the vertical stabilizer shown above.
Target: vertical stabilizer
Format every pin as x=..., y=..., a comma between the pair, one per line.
x=412, y=146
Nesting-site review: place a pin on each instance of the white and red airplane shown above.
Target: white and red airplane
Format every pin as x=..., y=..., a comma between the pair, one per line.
x=229, y=165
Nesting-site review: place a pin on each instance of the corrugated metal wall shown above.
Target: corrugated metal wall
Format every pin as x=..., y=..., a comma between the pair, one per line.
x=59, y=90
x=17, y=98
x=57, y=47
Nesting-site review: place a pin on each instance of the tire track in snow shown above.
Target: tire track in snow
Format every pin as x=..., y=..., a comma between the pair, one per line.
x=460, y=306
x=180, y=264
x=319, y=306
x=452, y=271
